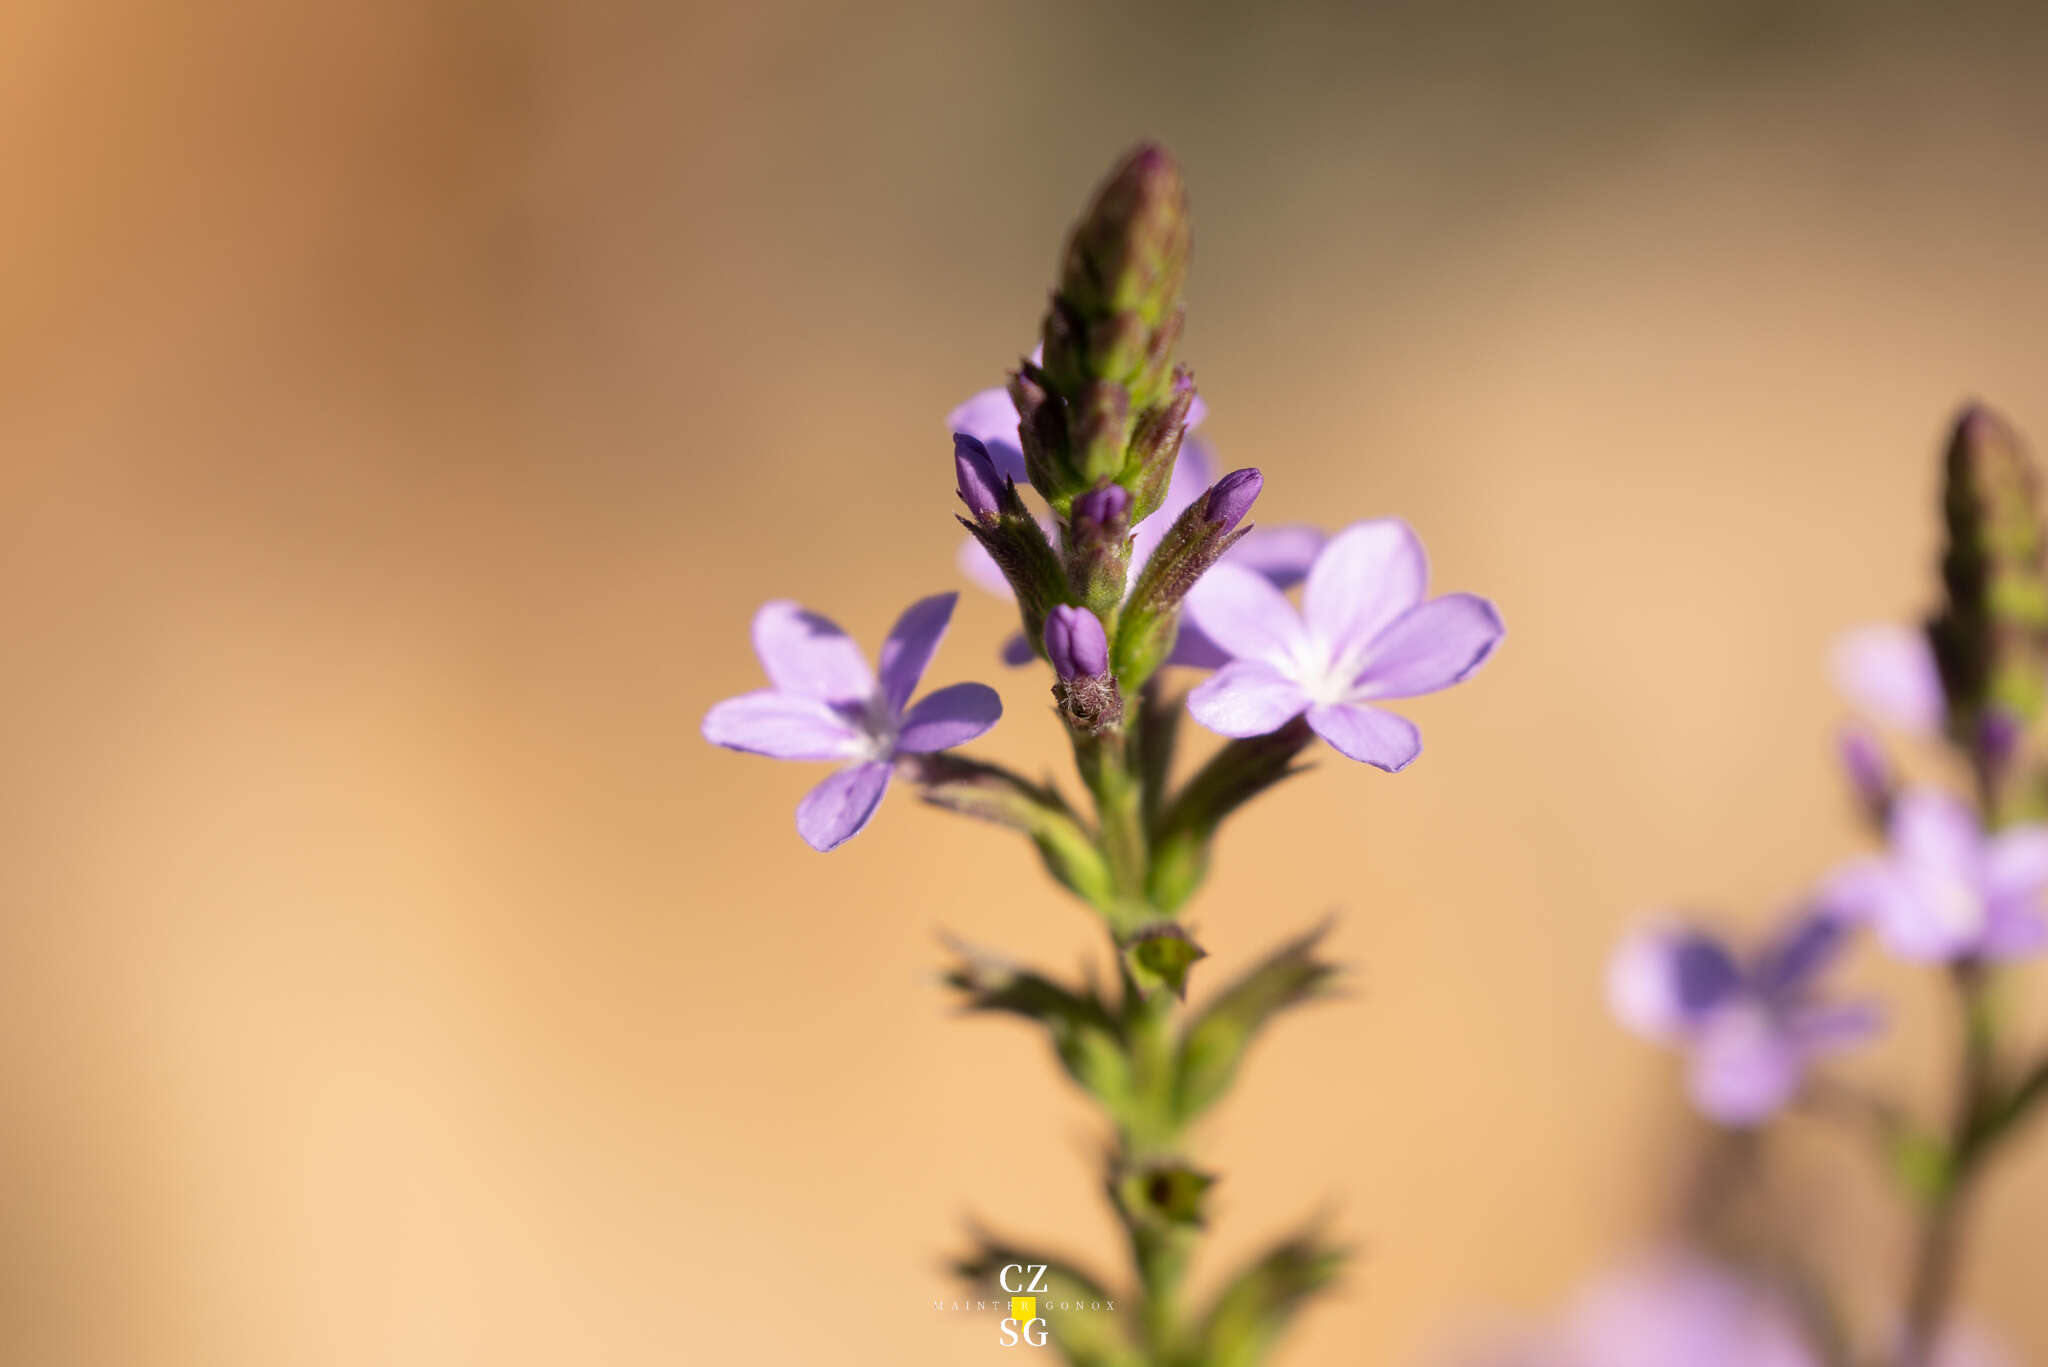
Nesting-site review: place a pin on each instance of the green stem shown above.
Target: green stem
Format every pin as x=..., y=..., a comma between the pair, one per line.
x=1937, y=1256
x=1104, y=761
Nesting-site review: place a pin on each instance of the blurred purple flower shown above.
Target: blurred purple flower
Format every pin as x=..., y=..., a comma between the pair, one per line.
x=1281, y=554
x=1889, y=672
x=1364, y=633
x=1945, y=890
x=1679, y=1309
x=826, y=705
x=1749, y=1030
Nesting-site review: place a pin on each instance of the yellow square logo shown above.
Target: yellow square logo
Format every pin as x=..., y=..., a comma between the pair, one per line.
x=1023, y=1309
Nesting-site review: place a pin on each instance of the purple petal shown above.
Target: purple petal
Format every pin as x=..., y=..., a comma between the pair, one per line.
x=1937, y=831
x=1797, y=956
x=1246, y=698
x=835, y=811
x=2016, y=864
x=1664, y=979
x=1857, y=890
x=810, y=656
x=1244, y=614
x=1679, y=1310
x=909, y=648
x=1889, y=671
x=1193, y=650
x=2012, y=932
x=1282, y=554
x=1368, y=575
x=1017, y=650
x=1198, y=412
x=1367, y=734
x=782, y=726
x=1816, y=1030
x=1743, y=1067
x=948, y=717
x=990, y=417
x=1430, y=647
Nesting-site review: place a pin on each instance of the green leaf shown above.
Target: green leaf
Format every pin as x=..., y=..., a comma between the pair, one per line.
x=1236, y=774
x=1085, y=1034
x=1255, y=1307
x=1217, y=1038
x=992, y=793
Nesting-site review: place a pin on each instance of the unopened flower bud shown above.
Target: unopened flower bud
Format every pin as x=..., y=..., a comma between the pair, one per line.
x=1991, y=636
x=1075, y=643
x=981, y=488
x=1868, y=770
x=1197, y=539
x=1231, y=497
x=1107, y=507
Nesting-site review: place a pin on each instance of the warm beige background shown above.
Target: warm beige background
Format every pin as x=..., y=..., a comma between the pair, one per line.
x=406, y=403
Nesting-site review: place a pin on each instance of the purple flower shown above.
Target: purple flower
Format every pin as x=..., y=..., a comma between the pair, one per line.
x=1749, y=1030
x=1945, y=890
x=1889, y=672
x=1679, y=1308
x=1075, y=643
x=826, y=705
x=1364, y=633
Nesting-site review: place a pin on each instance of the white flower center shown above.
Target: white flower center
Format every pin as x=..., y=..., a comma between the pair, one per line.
x=1956, y=906
x=1321, y=673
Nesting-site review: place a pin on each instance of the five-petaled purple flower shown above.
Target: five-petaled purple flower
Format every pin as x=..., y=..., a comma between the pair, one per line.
x=1945, y=890
x=1365, y=633
x=1281, y=554
x=826, y=705
x=1749, y=1029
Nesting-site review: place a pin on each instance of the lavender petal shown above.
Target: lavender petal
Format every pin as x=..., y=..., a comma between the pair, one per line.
x=782, y=726
x=837, y=809
x=947, y=717
x=1246, y=698
x=1430, y=647
x=1367, y=734
x=1368, y=575
x=809, y=655
x=909, y=647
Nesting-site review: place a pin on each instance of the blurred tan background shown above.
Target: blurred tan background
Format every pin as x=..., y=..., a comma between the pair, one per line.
x=404, y=405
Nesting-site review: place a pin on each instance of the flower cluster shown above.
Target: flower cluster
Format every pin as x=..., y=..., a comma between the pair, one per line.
x=1092, y=506
x=1958, y=885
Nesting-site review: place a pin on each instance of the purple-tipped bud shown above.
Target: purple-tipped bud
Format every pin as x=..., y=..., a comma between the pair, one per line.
x=981, y=488
x=1104, y=507
x=1230, y=498
x=1868, y=769
x=1075, y=643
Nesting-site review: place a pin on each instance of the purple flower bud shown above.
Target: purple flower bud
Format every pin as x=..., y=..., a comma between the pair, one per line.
x=1075, y=643
x=1868, y=771
x=1231, y=498
x=981, y=488
x=1103, y=507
